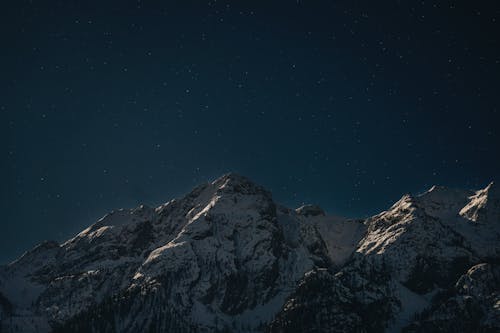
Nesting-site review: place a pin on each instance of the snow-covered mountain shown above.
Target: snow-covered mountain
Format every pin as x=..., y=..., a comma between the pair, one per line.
x=227, y=258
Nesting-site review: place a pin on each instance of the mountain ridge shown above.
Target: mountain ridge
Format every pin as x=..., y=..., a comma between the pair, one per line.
x=226, y=257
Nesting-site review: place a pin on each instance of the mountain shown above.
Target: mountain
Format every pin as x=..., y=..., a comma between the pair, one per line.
x=227, y=258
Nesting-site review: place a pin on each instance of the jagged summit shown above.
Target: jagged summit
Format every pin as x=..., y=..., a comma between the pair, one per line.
x=441, y=193
x=492, y=191
x=231, y=183
x=226, y=257
x=310, y=210
x=493, y=188
x=438, y=201
x=484, y=205
x=444, y=202
x=233, y=177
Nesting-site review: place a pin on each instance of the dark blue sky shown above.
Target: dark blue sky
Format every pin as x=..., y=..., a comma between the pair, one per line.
x=341, y=103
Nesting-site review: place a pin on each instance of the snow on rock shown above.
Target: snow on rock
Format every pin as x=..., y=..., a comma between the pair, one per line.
x=411, y=242
x=472, y=305
x=340, y=235
x=443, y=202
x=484, y=205
x=410, y=304
x=226, y=257
x=310, y=210
x=404, y=260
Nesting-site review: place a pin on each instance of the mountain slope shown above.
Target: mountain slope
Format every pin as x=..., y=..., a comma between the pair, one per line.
x=226, y=257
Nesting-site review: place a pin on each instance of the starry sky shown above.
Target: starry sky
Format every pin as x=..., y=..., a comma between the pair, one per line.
x=346, y=104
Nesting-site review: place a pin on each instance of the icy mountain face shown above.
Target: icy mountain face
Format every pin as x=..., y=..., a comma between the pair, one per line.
x=410, y=258
x=226, y=257
x=484, y=205
x=419, y=249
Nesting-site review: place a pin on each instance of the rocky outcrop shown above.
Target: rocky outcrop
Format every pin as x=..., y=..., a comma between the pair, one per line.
x=227, y=258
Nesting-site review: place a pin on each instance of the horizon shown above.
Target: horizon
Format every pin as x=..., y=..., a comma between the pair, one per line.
x=345, y=105
x=6, y=261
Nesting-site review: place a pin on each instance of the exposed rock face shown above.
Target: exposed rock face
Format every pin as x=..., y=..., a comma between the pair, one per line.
x=321, y=303
x=410, y=257
x=484, y=205
x=226, y=257
x=472, y=305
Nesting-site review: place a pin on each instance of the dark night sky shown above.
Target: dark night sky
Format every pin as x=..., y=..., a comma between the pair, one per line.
x=348, y=104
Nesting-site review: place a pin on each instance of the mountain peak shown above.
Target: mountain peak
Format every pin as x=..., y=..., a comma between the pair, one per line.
x=438, y=189
x=233, y=178
x=440, y=193
x=443, y=201
x=232, y=183
x=310, y=210
x=484, y=205
x=493, y=189
x=227, y=257
x=438, y=201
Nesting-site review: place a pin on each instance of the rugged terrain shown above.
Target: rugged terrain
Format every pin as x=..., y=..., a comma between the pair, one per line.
x=227, y=258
